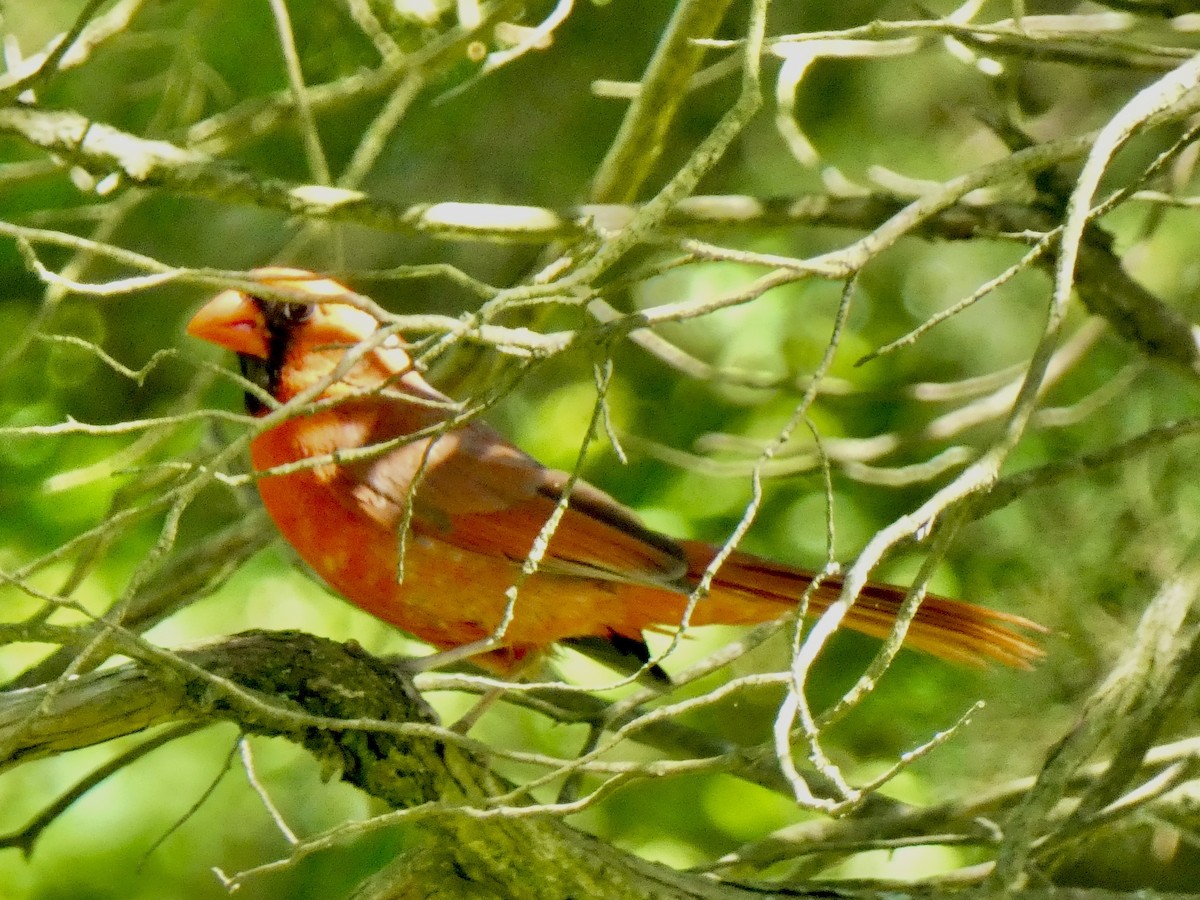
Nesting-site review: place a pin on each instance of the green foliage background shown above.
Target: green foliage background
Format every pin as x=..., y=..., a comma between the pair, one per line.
x=1082, y=557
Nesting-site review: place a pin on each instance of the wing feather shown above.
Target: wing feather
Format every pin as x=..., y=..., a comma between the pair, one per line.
x=479, y=492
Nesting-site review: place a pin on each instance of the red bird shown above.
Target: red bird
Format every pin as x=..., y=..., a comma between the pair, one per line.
x=473, y=505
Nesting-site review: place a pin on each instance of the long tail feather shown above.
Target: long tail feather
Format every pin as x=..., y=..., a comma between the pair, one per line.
x=748, y=589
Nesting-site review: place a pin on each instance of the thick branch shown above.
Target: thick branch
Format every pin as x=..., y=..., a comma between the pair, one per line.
x=102, y=150
x=1104, y=286
x=307, y=685
x=300, y=677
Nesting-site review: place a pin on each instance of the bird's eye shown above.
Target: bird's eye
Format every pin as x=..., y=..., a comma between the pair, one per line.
x=281, y=315
x=296, y=312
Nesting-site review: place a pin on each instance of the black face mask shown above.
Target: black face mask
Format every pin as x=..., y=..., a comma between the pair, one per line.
x=261, y=373
x=281, y=318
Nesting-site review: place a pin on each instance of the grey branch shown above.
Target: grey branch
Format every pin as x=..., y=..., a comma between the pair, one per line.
x=1105, y=287
x=308, y=685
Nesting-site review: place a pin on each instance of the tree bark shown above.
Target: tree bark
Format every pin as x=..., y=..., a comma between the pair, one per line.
x=363, y=719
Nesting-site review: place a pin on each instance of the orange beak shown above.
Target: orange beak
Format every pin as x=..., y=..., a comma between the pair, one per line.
x=233, y=321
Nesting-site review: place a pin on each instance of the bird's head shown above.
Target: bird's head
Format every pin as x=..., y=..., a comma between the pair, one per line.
x=285, y=347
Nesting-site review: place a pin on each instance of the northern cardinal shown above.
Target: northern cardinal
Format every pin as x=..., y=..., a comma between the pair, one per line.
x=480, y=502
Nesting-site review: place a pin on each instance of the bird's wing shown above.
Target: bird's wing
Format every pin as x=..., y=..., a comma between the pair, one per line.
x=477, y=491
